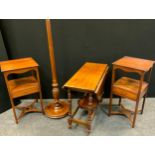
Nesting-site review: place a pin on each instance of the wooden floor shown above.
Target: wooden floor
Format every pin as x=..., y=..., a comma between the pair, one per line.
x=36, y=124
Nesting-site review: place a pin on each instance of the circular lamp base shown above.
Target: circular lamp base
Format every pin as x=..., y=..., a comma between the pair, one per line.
x=57, y=110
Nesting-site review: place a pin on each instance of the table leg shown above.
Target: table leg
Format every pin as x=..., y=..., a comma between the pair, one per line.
x=110, y=104
x=14, y=111
x=40, y=93
x=90, y=99
x=90, y=112
x=144, y=99
x=41, y=102
x=120, y=100
x=135, y=114
x=70, y=109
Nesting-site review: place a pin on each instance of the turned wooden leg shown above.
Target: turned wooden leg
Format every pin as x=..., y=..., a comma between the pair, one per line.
x=144, y=99
x=90, y=102
x=120, y=100
x=135, y=114
x=14, y=111
x=70, y=109
x=89, y=121
x=110, y=104
x=70, y=102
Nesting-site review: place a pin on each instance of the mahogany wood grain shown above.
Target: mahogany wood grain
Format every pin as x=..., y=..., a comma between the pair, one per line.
x=134, y=63
x=87, y=77
x=56, y=109
x=90, y=80
x=22, y=86
x=128, y=87
x=12, y=65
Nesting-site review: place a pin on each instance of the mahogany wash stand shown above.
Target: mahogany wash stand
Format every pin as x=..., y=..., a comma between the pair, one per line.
x=130, y=88
x=22, y=86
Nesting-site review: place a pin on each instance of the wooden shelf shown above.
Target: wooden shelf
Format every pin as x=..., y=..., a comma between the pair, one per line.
x=84, y=103
x=128, y=87
x=21, y=86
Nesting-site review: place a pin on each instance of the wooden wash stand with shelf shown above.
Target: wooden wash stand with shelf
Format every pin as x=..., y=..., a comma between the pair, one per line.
x=130, y=88
x=24, y=85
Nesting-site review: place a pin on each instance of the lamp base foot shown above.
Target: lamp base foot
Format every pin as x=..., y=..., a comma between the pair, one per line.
x=57, y=109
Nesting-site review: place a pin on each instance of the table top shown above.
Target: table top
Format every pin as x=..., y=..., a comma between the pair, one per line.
x=21, y=63
x=134, y=63
x=87, y=77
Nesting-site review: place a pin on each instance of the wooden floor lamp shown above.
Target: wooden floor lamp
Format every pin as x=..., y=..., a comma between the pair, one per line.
x=56, y=109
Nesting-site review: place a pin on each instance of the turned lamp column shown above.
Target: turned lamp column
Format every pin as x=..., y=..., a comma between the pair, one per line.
x=57, y=109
